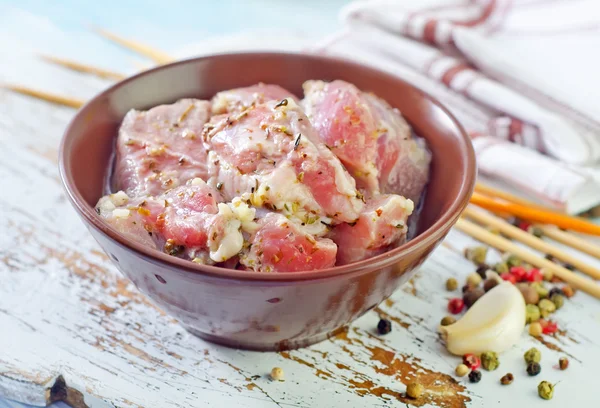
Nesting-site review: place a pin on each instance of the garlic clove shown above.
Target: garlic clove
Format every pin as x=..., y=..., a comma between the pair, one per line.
x=494, y=323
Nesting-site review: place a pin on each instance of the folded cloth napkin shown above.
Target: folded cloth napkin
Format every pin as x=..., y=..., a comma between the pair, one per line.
x=519, y=74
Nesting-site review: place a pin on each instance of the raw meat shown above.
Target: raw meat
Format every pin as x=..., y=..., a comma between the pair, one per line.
x=380, y=227
x=370, y=137
x=240, y=99
x=281, y=245
x=161, y=148
x=267, y=151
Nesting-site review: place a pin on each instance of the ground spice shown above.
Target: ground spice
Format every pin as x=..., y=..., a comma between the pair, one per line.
x=489, y=360
x=507, y=379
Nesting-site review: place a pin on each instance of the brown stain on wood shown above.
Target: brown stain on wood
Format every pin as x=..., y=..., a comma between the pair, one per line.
x=251, y=386
x=543, y=340
x=389, y=302
x=441, y=389
x=410, y=287
x=318, y=372
x=384, y=315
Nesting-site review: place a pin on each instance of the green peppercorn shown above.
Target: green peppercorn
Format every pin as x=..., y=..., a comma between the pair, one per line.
x=475, y=376
x=540, y=289
x=489, y=360
x=513, y=260
x=547, y=307
x=451, y=284
x=545, y=390
x=535, y=231
x=558, y=300
x=501, y=267
x=533, y=368
x=532, y=355
x=476, y=254
x=447, y=321
x=532, y=314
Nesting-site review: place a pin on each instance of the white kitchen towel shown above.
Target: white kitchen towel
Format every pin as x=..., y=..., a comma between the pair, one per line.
x=522, y=71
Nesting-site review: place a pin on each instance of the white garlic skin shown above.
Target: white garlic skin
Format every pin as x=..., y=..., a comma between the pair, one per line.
x=494, y=323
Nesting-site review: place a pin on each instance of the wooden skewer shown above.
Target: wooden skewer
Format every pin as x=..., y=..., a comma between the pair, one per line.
x=530, y=240
x=46, y=96
x=481, y=234
x=157, y=56
x=536, y=215
x=494, y=192
x=87, y=69
x=571, y=240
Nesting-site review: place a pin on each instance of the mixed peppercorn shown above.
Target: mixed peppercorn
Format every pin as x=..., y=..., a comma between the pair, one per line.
x=540, y=298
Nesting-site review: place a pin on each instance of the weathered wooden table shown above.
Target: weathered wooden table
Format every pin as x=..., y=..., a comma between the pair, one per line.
x=73, y=329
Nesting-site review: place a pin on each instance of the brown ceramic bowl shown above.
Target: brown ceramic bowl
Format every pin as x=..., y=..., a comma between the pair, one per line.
x=258, y=310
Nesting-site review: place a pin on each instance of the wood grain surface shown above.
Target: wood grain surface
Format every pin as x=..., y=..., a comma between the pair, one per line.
x=73, y=329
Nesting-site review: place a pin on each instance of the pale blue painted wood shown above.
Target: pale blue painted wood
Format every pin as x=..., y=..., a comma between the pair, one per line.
x=163, y=24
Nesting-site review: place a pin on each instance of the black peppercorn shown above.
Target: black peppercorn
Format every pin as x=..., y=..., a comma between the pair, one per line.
x=475, y=376
x=482, y=269
x=569, y=267
x=466, y=288
x=384, y=326
x=533, y=368
x=555, y=291
x=472, y=296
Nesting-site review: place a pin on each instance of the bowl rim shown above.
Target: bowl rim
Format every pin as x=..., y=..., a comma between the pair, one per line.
x=434, y=232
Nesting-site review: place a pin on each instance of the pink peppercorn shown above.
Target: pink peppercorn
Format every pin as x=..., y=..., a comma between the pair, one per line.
x=456, y=305
x=509, y=277
x=548, y=327
x=471, y=361
x=519, y=272
x=534, y=275
x=524, y=225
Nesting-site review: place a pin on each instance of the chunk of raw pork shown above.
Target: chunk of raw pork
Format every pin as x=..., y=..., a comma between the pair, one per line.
x=187, y=221
x=240, y=99
x=281, y=245
x=161, y=148
x=267, y=152
x=370, y=137
x=380, y=227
